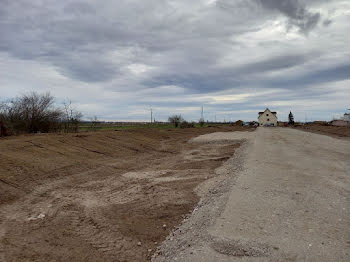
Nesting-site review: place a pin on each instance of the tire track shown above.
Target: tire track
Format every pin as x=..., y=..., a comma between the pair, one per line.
x=96, y=232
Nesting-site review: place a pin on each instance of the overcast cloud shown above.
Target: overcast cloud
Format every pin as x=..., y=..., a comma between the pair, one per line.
x=116, y=59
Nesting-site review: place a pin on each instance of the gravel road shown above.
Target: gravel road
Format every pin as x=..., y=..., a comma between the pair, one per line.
x=286, y=199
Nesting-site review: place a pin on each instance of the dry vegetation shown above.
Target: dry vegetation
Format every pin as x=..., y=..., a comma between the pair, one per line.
x=36, y=113
x=95, y=196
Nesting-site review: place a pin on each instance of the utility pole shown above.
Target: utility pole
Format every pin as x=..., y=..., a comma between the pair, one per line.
x=151, y=115
x=202, y=113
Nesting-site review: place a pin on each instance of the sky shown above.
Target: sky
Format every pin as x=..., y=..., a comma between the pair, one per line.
x=118, y=59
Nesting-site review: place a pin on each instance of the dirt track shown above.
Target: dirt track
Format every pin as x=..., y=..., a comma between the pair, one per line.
x=95, y=196
x=289, y=201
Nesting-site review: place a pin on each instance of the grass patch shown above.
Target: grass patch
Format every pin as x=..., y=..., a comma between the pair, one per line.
x=109, y=127
x=123, y=126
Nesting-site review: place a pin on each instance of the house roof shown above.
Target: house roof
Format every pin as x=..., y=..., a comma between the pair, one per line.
x=260, y=113
x=274, y=113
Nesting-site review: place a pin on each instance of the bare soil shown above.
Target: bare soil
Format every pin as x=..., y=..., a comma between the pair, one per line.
x=103, y=196
x=334, y=131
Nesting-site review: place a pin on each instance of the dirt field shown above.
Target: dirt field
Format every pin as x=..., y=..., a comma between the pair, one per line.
x=288, y=202
x=335, y=131
x=104, y=196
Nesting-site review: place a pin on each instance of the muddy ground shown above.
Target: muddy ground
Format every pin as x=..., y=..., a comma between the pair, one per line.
x=104, y=196
x=334, y=131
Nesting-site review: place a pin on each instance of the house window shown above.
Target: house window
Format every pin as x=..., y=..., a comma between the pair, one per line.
x=268, y=119
x=267, y=114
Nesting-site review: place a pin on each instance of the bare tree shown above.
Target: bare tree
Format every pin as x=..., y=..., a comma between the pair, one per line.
x=71, y=117
x=3, y=129
x=201, y=122
x=31, y=113
x=175, y=119
x=94, y=122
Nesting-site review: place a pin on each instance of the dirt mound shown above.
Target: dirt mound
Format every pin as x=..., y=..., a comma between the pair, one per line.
x=99, y=196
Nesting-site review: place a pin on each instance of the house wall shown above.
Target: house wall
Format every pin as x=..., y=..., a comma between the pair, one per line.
x=347, y=117
x=267, y=118
x=340, y=123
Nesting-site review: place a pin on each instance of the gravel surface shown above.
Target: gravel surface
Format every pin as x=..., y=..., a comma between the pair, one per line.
x=284, y=196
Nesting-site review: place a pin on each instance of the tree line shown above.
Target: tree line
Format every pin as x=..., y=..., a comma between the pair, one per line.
x=178, y=121
x=34, y=113
x=38, y=113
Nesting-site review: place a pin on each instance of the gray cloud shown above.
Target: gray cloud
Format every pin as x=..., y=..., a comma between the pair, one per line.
x=86, y=68
x=327, y=22
x=142, y=52
x=296, y=12
x=236, y=76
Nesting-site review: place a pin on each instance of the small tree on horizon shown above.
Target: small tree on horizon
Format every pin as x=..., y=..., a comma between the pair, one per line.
x=71, y=117
x=94, y=122
x=176, y=120
x=290, y=118
x=201, y=121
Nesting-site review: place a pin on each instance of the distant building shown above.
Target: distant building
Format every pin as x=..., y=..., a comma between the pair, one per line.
x=267, y=118
x=340, y=123
x=347, y=117
x=343, y=121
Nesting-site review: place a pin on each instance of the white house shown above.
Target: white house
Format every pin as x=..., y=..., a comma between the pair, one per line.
x=267, y=118
x=347, y=117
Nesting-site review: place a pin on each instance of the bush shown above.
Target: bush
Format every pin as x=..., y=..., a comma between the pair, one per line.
x=201, y=122
x=185, y=124
x=33, y=113
x=3, y=130
x=176, y=120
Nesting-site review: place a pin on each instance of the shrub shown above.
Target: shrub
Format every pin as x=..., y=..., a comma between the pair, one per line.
x=175, y=119
x=33, y=113
x=201, y=122
x=185, y=124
